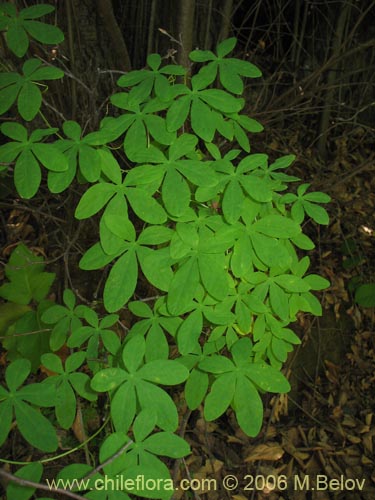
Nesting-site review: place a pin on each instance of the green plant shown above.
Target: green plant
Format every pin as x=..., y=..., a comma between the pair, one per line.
x=212, y=232
x=364, y=293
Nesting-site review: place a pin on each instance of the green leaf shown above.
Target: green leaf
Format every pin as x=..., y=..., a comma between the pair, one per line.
x=52, y=362
x=232, y=201
x=32, y=472
x=17, y=39
x=220, y=396
x=216, y=364
x=133, y=353
x=365, y=295
x=167, y=444
x=89, y=162
x=317, y=213
x=95, y=258
x=156, y=266
x=35, y=428
x=277, y=226
x=121, y=282
x=195, y=388
x=29, y=101
x=316, y=282
x=108, y=379
x=202, y=56
x=241, y=261
x=245, y=68
x=248, y=407
x=221, y=100
x=258, y=189
x=156, y=344
x=267, y=378
x=231, y=81
x=27, y=279
x=183, y=287
x=120, y=226
x=155, y=235
x=166, y=372
x=205, y=77
x=250, y=124
x=177, y=113
x=158, y=129
x=176, y=193
x=189, y=333
x=15, y=131
x=36, y=11
x=27, y=175
x=7, y=97
x=44, y=33
x=184, y=144
x=317, y=197
x=94, y=200
x=226, y=46
x=279, y=301
x=6, y=417
x=66, y=405
x=74, y=361
x=152, y=396
x=50, y=157
x=146, y=207
x=123, y=407
x=213, y=274
x=292, y=283
x=144, y=424
x=202, y=120
x=302, y=241
x=16, y=373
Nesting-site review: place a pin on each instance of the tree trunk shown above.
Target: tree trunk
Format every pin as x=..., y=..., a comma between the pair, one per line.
x=118, y=47
x=332, y=75
x=226, y=20
x=186, y=30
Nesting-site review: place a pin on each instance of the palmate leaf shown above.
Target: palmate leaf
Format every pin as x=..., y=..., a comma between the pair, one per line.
x=44, y=437
x=21, y=24
x=27, y=279
x=25, y=89
x=230, y=69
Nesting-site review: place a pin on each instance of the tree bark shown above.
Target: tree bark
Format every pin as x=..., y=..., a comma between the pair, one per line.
x=332, y=75
x=226, y=20
x=186, y=30
x=122, y=59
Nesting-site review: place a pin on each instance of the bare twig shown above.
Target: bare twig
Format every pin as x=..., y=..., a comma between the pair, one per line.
x=40, y=486
x=109, y=460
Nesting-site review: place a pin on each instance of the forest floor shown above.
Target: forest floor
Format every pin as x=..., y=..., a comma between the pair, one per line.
x=318, y=442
